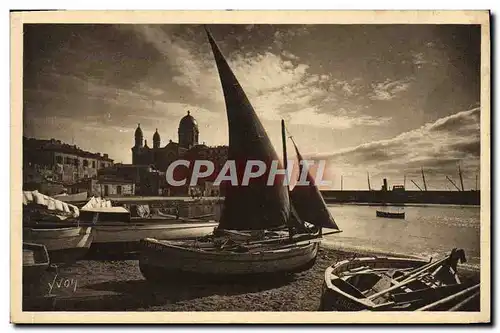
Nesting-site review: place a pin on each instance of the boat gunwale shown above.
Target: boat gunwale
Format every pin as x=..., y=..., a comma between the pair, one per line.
x=84, y=230
x=227, y=253
x=140, y=227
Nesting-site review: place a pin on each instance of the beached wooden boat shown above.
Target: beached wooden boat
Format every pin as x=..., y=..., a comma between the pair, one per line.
x=260, y=229
x=104, y=215
x=54, y=224
x=201, y=260
x=115, y=232
x=391, y=284
x=64, y=245
x=35, y=262
x=391, y=215
x=35, y=268
x=114, y=239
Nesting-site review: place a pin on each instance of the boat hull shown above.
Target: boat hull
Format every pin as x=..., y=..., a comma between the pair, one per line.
x=161, y=260
x=131, y=233
x=390, y=215
x=64, y=245
x=35, y=262
x=120, y=239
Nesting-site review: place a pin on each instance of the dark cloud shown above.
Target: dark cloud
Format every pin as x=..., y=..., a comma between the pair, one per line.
x=468, y=148
x=437, y=146
x=458, y=122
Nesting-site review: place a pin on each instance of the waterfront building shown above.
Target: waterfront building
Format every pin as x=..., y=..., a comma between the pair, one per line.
x=59, y=162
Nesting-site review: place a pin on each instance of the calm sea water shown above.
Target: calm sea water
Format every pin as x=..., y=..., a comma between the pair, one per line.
x=426, y=231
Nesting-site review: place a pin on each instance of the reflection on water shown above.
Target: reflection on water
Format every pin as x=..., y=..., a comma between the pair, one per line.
x=426, y=230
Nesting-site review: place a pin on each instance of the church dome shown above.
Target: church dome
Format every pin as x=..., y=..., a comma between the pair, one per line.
x=138, y=131
x=188, y=123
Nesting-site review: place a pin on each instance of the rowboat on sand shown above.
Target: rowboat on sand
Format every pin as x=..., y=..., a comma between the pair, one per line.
x=64, y=245
x=55, y=225
x=263, y=229
x=395, y=284
x=35, y=262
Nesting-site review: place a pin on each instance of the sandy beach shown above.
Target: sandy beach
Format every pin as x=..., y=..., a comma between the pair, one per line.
x=107, y=285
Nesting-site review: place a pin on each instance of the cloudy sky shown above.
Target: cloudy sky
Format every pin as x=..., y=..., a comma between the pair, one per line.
x=384, y=99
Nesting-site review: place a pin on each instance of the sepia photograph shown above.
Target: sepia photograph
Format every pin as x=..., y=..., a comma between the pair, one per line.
x=333, y=165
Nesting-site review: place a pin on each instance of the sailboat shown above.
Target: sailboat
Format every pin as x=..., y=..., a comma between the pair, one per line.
x=309, y=203
x=260, y=231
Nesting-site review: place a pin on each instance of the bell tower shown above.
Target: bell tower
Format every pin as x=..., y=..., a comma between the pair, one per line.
x=136, y=149
x=156, y=140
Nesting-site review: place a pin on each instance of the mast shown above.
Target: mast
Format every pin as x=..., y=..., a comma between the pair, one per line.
x=285, y=166
x=461, y=178
x=285, y=158
x=423, y=178
x=416, y=185
x=453, y=183
x=341, y=182
x=476, y=181
x=404, y=181
x=368, y=175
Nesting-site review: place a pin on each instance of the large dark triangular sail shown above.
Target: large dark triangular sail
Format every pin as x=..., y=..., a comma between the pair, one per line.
x=256, y=206
x=309, y=203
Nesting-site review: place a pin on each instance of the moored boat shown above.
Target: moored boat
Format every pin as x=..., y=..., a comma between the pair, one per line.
x=392, y=284
x=391, y=215
x=260, y=231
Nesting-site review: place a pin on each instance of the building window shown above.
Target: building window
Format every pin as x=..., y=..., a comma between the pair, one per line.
x=118, y=189
x=93, y=164
x=85, y=163
x=59, y=159
x=67, y=160
x=76, y=162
